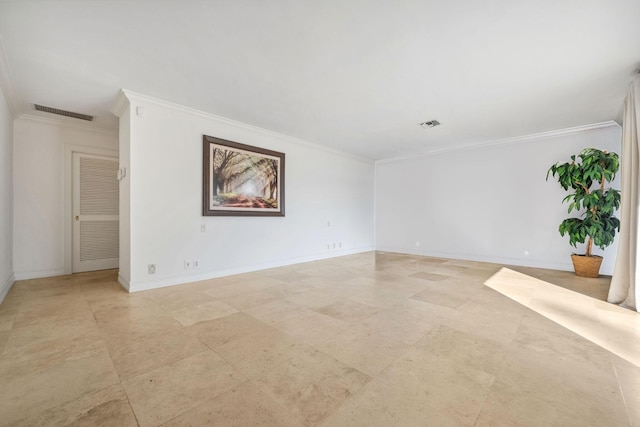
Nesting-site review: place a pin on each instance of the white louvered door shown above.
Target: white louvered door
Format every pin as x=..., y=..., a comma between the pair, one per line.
x=95, y=213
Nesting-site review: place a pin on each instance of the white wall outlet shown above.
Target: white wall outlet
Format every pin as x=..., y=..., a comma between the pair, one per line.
x=187, y=264
x=196, y=263
x=526, y=252
x=328, y=223
x=417, y=243
x=203, y=228
x=339, y=244
x=152, y=269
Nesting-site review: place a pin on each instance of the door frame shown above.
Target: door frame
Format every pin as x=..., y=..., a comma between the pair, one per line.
x=67, y=196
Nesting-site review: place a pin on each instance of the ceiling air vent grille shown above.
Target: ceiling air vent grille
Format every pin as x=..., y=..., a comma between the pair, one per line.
x=64, y=113
x=430, y=124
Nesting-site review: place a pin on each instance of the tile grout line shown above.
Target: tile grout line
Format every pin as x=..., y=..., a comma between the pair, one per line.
x=622, y=393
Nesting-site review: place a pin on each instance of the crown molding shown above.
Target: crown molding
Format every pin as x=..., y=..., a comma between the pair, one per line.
x=122, y=102
x=515, y=140
x=7, y=83
x=133, y=97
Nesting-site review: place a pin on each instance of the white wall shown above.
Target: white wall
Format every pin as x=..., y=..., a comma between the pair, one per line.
x=165, y=173
x=42, y=218
x=124, y=272
x=6, y=198
x=489, y=203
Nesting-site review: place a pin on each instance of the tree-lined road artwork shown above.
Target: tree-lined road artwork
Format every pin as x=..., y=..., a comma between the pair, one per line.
x=239, y=201
x=243, y=180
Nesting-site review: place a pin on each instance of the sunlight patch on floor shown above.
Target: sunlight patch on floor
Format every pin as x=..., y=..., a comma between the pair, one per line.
x=614, y=328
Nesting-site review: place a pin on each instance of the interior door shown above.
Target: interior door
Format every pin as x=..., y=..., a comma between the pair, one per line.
x=95, y=212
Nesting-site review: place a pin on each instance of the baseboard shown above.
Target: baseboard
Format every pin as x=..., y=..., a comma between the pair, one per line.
x=6, y=287
x=26, y=275
x=124, y=283
x=173, y=281
x=564, y=266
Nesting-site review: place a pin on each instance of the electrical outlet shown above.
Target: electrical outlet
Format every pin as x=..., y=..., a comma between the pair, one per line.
x=203, y=228
x=196, y=263
x=152, y=269
x=340, y=244
x=187, y=264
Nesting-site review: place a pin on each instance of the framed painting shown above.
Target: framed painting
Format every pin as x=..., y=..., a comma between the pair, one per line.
x=241, y=180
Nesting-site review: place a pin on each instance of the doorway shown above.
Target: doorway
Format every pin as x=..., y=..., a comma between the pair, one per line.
x=95, y=188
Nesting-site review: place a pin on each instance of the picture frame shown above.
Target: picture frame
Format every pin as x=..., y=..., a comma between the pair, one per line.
x=241, y=180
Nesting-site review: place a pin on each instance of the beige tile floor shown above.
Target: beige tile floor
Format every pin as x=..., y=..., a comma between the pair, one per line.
x=612, y=327
x=374, y=339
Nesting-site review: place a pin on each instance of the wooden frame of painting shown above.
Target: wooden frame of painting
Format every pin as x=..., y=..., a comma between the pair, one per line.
x=241, y=180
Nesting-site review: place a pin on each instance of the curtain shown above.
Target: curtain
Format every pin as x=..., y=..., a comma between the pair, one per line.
x=625, y=271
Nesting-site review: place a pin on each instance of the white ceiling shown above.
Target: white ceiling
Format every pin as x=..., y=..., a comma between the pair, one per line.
x=354, y=75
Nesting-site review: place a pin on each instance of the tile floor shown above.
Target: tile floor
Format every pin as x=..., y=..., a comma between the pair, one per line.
x=374, y=339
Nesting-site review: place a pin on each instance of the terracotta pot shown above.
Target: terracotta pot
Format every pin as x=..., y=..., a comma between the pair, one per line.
x=586, y=266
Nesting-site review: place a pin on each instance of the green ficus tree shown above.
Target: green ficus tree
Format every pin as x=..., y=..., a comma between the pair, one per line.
x=585, y=178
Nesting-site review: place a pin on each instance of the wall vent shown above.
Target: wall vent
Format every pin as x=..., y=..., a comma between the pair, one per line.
x=64, y=112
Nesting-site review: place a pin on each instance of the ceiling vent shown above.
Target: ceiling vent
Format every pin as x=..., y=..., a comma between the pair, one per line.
x=64, y=112
x=430, y=124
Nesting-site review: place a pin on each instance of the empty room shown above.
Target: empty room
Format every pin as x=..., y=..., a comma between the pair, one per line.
x=337, y=213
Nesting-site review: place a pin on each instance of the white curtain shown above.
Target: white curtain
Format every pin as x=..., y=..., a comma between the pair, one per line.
x=623, y=288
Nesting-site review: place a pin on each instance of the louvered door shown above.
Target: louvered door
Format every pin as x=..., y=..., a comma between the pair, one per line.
x=95, y=213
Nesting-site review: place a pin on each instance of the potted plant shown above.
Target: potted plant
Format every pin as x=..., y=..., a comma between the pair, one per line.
x=585, y=178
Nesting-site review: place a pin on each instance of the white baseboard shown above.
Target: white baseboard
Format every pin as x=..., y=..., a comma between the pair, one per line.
x=26, y=275
x=172, y=281
x=565, y=266
x=6, y=287
x=124, y=283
